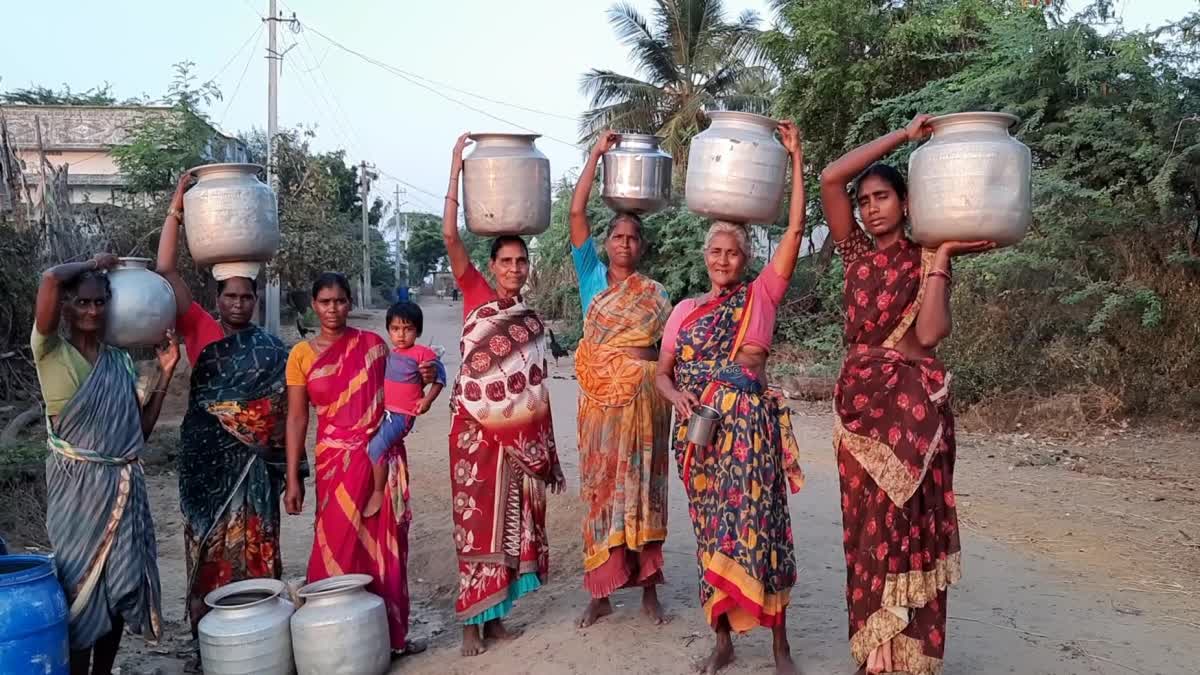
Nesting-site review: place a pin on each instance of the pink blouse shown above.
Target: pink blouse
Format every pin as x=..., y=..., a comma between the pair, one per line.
x=769, y=288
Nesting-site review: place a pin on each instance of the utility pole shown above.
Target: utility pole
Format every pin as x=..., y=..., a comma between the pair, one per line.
x=401, y=235
x=271, y=298
x=365, y=182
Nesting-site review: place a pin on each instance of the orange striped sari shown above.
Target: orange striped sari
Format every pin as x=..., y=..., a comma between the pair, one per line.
x=346, y=386
x=624, y=427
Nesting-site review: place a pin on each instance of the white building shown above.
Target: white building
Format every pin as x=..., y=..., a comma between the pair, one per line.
x=83, y=137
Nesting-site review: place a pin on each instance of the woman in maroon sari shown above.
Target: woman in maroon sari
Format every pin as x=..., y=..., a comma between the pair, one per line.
x=894, y=434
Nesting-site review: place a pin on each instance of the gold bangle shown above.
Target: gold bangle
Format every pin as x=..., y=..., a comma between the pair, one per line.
x=175, y=213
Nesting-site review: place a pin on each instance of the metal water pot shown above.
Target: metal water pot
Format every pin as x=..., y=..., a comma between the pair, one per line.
x=637, y=175
x=341, y=629
x=247, y=629
x=970, y=182
x=736, y=169
x=506, y=186
x=142, y=306
x=229, y=215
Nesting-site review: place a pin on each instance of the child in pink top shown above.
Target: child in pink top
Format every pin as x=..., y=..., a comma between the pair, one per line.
x=404, y=395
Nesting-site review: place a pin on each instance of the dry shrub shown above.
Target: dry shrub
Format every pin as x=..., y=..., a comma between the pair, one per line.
x=1037, y=341
x=23, y=496
x=1066, y=414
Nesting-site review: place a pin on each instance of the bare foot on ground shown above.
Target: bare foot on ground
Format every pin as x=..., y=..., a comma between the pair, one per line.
x=496, y=630
x=597, y=608
x=722, y=655
x=472, y=642
x=652, y=608
x=784, y=665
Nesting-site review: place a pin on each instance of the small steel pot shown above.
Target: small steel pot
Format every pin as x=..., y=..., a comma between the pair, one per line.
x=702, y=425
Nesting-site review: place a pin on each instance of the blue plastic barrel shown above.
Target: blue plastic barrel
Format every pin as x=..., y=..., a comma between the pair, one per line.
x=33, y=617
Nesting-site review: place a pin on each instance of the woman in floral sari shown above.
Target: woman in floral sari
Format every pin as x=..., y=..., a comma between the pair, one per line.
x=341, y=371
x=623, y=422
x=97, y=509
x=231, y=455
x=894, y=434
x=502, y=453
x=714, y=353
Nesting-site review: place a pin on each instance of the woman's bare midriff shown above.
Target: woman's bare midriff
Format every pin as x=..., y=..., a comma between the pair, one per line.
x=754, y=359
x=911, y=349
x=642, y=353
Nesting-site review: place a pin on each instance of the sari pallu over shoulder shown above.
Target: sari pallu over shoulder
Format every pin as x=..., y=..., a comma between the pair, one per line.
x=623, y=431
x=737, y=487
x=894, y=437
x=97, y=513
x=345, y=384
x=502, y=453
x=232, y=463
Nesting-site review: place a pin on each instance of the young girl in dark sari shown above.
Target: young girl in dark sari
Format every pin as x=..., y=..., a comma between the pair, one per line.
x=894, y=434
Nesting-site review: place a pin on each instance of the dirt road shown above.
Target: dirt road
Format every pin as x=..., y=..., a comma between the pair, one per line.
x=1053, y=584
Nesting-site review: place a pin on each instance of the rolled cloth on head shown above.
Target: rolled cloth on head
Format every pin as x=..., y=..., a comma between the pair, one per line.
x=223, y=271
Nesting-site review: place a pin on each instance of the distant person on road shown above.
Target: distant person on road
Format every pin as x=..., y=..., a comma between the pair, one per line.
x=232, y=462
x=341, y=372
x=502, y=452
x=624, y=422
x=894, y=433
x=714, y=353
x=404, y=398
x=97, y=510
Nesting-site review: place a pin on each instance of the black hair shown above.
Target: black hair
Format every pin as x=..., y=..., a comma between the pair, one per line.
x=330, y=280
x=408, y=312
x=887, y=174
x=253, y=284
x=501, y=241
x=630, y=217
x=71, y=288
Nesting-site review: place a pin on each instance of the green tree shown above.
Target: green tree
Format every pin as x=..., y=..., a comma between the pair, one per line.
x=161, y=147
x=425, y=246
x=1098, y=297
x=38, y=95
x=316, y=235
x=688, y=57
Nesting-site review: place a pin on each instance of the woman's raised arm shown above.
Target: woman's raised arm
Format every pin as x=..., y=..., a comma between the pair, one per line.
x=839, y=210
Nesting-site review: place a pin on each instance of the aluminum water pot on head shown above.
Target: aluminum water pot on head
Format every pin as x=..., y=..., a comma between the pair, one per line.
x=637, y=175
x=970, y=182
x=506, y=186
x=229, y=215
x=737, y=169
x=142, y=307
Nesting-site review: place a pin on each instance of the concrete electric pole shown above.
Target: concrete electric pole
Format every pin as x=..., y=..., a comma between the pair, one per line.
x=270, y=320
x=365, y=182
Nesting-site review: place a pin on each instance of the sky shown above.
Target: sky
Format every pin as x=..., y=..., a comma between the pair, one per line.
x=527, y=54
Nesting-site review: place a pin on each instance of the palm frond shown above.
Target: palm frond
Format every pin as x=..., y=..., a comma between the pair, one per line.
x=630, y=25
x=604, y=87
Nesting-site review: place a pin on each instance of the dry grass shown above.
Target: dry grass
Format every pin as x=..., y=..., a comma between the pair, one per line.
x=1075, y=413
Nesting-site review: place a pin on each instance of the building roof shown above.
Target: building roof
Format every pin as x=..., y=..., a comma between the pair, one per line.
x=78, y=127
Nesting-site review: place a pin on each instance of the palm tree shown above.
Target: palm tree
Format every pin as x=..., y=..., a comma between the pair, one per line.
x=688, y=58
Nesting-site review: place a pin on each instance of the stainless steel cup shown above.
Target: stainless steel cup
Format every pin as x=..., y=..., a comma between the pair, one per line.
x=702, y=425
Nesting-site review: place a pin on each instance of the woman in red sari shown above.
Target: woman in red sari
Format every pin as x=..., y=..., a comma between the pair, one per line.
x=502, y=453
x=894, y=434
x=341, y=372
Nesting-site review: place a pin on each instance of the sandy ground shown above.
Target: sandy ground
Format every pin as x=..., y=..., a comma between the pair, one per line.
x=1078, y=559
